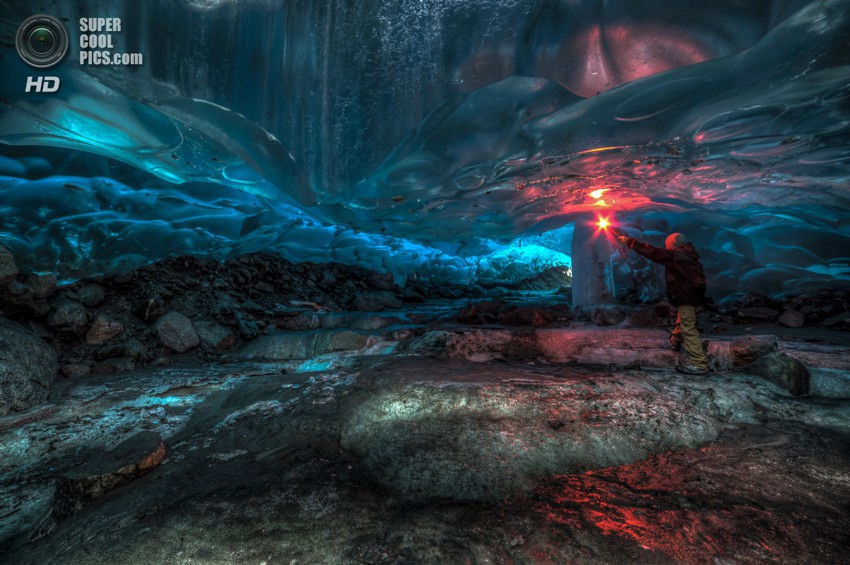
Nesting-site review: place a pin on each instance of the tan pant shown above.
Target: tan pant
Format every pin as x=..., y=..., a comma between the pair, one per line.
x=687, y=334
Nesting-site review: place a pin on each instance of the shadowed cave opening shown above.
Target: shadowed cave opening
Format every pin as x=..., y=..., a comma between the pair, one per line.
x=334, y=282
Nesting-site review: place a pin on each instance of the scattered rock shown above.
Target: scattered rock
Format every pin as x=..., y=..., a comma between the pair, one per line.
x=370, y=323
x=19, y=289
x=757, y=300
x=665, y=310
x=252, y=307
x=328, y=278
x=214, y=335
x=376, y=301
x=27, y=368
x=782, y=370
x=175, y=331
x=249, y=329
x=757, y=314
x=42, y=286
x=113, y=365
x=264, y=287
x=91, y=294
x=103, y=329
x=838, y=322
x=8, y=268
x=68, y=315
x=72, y=370
x=643, y=318
x=108, y=350
x=605, y=314
x=135, y=349
x=792, y=319
x=469, y=315
x=411, y=296
x=303, y=321
x=527, y=316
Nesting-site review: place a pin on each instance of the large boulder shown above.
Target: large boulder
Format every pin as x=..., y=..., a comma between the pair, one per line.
x=175, y=331
x=27, y=368
x=437, y=433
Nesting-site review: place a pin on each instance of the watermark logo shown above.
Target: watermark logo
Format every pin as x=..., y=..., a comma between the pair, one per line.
x=42, y=42
x=42, y=84
x=96, y=43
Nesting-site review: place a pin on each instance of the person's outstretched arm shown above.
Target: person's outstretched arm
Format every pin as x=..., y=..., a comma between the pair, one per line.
x=657, y=254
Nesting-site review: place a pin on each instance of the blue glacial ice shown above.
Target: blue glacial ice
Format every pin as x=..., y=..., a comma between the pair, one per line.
x=456, y=140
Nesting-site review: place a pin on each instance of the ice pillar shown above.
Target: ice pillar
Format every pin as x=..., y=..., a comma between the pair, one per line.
x=591, y=264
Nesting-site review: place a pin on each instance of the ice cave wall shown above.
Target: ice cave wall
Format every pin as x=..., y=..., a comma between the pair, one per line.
x=424, y=137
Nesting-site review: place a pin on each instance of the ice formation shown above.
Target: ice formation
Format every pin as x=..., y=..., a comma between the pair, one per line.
x=460, y=140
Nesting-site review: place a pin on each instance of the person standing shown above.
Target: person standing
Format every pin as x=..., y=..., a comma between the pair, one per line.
x=684, y=276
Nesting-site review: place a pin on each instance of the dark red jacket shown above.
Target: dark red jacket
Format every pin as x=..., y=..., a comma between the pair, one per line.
x=683, y=272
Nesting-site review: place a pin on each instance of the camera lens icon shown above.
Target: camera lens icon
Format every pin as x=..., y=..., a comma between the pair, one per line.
x=42, y=41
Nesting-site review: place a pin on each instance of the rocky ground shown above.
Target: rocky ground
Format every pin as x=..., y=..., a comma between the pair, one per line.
x=258, y=411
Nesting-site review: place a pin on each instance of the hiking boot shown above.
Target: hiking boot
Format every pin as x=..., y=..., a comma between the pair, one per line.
x=690, y=369
x=676, y=344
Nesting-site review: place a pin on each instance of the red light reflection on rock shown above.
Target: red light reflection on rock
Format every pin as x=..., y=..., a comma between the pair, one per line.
x=648, y=504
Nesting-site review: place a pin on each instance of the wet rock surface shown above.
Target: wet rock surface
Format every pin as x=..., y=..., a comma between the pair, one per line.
x=27, y=368
x=413, y=459
x=319, y=413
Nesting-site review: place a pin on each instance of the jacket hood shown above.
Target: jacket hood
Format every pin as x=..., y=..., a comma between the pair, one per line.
x=690, y=250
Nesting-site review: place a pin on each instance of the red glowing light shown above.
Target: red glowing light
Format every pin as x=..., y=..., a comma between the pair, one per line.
x=603, y=223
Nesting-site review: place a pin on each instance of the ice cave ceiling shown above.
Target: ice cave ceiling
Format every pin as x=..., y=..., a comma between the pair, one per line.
x=442, y=138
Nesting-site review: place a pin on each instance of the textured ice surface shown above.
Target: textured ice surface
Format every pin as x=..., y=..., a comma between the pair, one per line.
x=421, y=137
